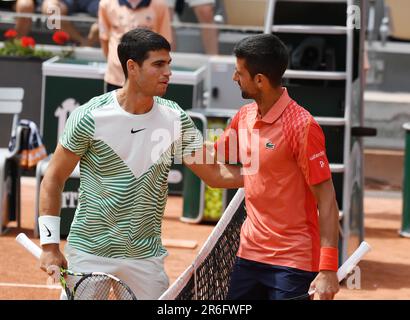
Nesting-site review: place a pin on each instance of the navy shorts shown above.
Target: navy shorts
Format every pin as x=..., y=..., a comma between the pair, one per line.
x=87, y=6
x=251, y=280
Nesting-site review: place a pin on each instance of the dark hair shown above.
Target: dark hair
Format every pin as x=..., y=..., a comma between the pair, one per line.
x=265, y=54
x=137, y=43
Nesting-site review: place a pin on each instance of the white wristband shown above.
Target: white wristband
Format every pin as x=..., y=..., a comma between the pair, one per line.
x=49, y=227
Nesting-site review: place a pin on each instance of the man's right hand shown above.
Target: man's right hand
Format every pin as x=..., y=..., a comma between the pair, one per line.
x=52, y=256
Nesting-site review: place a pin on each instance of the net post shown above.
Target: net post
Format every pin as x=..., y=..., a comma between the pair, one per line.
x=405, y=227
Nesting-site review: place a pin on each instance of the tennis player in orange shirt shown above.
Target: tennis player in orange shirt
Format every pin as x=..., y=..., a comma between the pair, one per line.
x=286, y=247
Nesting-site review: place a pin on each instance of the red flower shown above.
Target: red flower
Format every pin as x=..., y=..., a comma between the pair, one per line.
x=60, y=37
x=28, y=42
x=10, y=34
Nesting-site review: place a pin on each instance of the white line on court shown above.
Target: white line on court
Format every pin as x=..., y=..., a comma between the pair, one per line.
x=26, y=285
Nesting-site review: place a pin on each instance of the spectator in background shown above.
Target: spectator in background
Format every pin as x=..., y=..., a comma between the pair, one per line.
x=204, y=11
x=116, y=17
x=68, y=7
x=23, y=25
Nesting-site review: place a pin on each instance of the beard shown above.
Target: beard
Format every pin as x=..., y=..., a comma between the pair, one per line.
x=245, y=95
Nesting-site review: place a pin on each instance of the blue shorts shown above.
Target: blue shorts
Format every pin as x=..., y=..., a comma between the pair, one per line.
x=87, y=6
x=251, y=280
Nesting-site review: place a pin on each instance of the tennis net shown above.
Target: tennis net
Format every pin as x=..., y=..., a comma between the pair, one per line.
x=207, y=278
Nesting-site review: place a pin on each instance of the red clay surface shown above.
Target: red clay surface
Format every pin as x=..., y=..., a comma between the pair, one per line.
x=384, y=271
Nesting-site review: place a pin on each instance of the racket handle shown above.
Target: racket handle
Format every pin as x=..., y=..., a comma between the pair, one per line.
x=29, y=245
x=350, y=263
x=353, y=260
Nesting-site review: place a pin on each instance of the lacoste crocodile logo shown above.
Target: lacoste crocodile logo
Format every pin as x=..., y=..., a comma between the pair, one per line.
x=270, y=145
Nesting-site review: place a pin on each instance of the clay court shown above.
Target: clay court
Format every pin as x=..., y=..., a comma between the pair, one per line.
x=384, y=271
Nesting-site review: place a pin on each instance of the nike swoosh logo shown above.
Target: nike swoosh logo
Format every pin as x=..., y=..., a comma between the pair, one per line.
x=135, y=131
x=49, y=232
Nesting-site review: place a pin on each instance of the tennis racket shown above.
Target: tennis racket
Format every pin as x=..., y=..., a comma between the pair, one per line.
x=345, y=268
x=83, y=286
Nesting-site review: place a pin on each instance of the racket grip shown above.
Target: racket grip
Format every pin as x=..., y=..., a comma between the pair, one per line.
x=29, y=245
x=353, y=260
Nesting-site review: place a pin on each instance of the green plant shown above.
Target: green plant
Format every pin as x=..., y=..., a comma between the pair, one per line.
x=26, y=46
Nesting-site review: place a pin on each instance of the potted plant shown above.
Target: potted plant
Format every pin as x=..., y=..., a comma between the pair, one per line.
x=26, y=46
x=20, y=66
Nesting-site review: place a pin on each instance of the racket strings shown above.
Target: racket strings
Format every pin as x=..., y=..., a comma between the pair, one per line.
x=100, y=287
